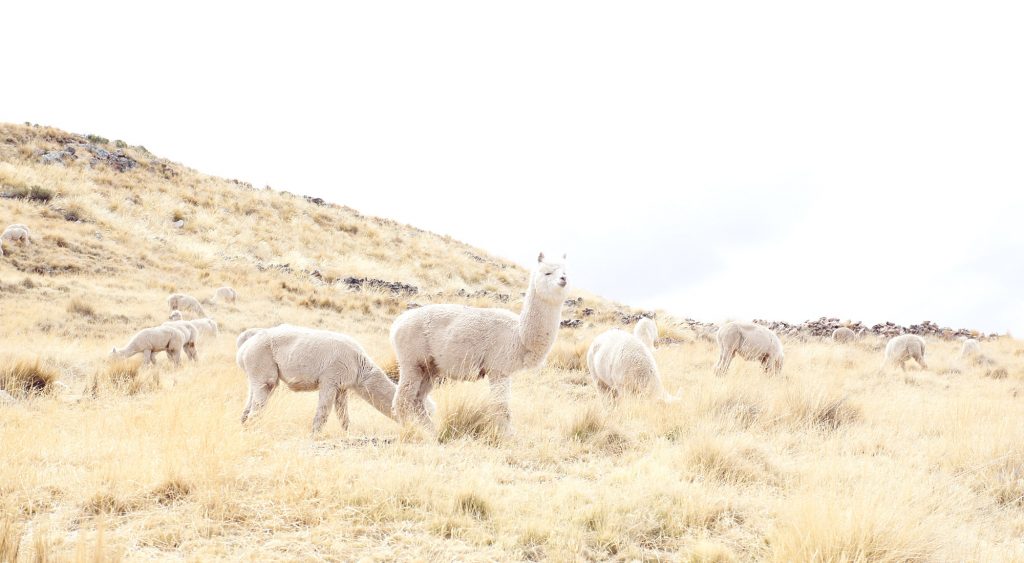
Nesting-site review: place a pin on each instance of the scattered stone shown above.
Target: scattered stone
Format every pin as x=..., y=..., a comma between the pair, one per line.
x=315, y=200
x=572, y=323
x=356, y=284
x=588, y=311
x=574, y=302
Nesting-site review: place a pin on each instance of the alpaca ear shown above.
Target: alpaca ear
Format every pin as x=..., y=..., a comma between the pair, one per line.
x=541, y=257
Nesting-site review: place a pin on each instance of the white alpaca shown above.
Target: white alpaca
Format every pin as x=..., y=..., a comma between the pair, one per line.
x=469, y=343
x=843, y=334
x=225, y=294
x=174, y=316
x=970, y=348
x=752, y=342
x=191, y=336
x=183, y=302
x=904, y=347
x=150, y=341
x=306, y=359
x=16, y=233
x=647, y=331
x=205, y=326
x=620, y=362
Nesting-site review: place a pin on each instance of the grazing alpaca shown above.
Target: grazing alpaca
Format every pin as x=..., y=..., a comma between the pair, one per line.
x=149, y=341
x=904, y=347
x=843, y=334
x=469, y=343
x=620, y=362
x=752, y=342
x=306, y=359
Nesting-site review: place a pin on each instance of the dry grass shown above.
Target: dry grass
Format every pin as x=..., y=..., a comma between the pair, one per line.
x=23, y=377
x=834, y=460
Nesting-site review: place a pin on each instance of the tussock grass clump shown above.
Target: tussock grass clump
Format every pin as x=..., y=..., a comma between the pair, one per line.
x=27, y=377
x=124, y=377
x=473, y=504
x=819, y=409
x=865, y=526
x=171, y=491
x=587, y=423
x=723, y=460
x=464, y=414
x=79, y=306
x=705, y=551
x=569, y=355
x=31, y=193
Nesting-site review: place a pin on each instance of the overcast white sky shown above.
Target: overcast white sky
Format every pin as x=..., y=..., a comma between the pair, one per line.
x=780, y=160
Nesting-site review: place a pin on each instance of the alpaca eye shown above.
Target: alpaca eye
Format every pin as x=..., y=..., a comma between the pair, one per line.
x=548, y=274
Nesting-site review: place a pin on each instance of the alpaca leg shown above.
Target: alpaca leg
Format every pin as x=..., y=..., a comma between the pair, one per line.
x=147, y=357
x=422, y=396
x=501, y=391
x=248, y=406
x=920, y=360
x=260, y=394
x=341, y=407
x=724, y=359
x=191, y=352
x=262, y=376
x=404, y=405
x=323, y=408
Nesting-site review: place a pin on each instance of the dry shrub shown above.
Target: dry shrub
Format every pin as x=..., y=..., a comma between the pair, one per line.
x=122, y=376
x=467, y=414
x=997, y=373
x=27, y=377
x=171, y=491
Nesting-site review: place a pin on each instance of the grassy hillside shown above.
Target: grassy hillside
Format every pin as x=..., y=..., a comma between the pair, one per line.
x=837, y=460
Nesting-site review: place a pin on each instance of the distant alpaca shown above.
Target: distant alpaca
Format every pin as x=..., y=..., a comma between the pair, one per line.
x=902, y=348
x=620, y=362
x=752, y=342
x=843, y=334
x=225, y=294
x=469, y=343
x=306, y=359
x=182, y=302
x=970, y=348
x=149, y=341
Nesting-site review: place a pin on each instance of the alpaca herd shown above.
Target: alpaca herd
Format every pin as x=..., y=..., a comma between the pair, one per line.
x=174, y=336
x=459, y=342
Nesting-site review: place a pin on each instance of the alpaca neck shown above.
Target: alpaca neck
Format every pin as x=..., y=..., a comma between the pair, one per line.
x=538, y=325
x=375, y=388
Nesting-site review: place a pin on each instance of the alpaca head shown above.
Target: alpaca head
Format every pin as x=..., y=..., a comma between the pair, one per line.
x=550, y=279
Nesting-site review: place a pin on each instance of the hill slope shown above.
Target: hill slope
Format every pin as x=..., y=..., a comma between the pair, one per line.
x=835, y=461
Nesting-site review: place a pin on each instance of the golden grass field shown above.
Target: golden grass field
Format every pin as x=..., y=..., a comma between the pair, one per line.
x=835, y=460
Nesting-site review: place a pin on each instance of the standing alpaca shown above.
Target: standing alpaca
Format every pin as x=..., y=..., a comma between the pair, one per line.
x=306, y=359
x=752, y=342
x=469, y=343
